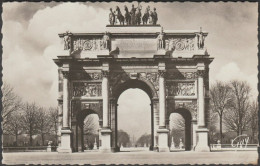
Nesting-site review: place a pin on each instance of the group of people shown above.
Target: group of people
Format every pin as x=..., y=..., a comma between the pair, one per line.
x=133, y=17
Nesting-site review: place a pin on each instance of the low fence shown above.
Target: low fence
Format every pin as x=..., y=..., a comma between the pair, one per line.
x=229, y=147
x=29, y=149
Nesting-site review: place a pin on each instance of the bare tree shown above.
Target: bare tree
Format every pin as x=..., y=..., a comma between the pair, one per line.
x=90, y=126
x=237, y=116
x=14, y=126
x=253, y=120
x=44, y=123
x=30, y=120
x=220, y=95
x=53, y=116
x=212, y=126
x=10, y=102
x=177, y=124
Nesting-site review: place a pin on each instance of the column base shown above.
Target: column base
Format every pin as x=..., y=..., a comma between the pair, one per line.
x=163, y=140
x=65, y=141
x=105, y=141
x=202, y=145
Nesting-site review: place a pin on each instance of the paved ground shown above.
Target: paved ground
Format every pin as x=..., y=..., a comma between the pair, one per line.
x=144, y=157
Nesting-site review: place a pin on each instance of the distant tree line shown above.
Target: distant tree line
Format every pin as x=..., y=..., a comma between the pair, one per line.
x=27, y=119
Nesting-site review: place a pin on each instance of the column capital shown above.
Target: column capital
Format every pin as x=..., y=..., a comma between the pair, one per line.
x=161, y=73
x=201, y=73
x=105, y=73
x=66, y=74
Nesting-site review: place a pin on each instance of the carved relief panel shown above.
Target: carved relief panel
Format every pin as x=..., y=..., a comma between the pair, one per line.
x=86, y=89
x=180, y=44
x=93, y=44
x=180, y=88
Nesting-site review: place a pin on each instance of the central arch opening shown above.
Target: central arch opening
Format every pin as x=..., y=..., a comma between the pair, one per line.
x=134, y=120
x=134, y=117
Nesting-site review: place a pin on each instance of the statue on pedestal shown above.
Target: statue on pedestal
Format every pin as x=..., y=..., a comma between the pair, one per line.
x=111, y=17
x=138, y=15
x=132, y=13
x=67, y=41
x=95, y=145
x=105, y=41
x=160, y=40
x=127, y=16
x=154, y=16
x=172, y=144
x=200, y=39
x=181, y=144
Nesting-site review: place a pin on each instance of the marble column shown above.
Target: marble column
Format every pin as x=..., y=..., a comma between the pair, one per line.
x=59, y=122
x=65, y=131
x=194, y=134
x=162, y=131
x=105, y=98
x=202, y=131
x=106, y=131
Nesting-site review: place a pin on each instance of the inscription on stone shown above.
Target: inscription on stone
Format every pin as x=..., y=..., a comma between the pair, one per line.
x=134, y=44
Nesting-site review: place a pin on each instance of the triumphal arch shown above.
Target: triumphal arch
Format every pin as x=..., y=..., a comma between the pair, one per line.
x=171, y=66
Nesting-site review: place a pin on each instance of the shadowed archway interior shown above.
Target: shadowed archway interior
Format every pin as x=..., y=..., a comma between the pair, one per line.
x=186, y=115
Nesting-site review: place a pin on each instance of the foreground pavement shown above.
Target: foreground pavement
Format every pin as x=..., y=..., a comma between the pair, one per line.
x=144, y=157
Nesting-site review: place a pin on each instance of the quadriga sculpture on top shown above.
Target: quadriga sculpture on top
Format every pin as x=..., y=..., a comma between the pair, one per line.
x=134, y=16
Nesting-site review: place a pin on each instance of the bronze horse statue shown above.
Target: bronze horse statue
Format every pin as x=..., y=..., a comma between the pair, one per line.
x=138, y=15
x=127, y=16
x=146, y=15
x=120, y=17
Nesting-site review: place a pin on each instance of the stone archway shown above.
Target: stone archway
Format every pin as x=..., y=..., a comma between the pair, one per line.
x=129, y=84
x=79, y=132
x=97, y=76
x=188, y=128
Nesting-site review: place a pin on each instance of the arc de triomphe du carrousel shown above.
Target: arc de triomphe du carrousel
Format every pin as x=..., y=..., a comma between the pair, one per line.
x=171, y=66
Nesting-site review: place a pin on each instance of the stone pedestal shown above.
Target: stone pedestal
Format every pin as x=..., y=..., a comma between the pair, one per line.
x=105, y=140
x=163, y=140
x=161, y=52
x=48, y=148
x=200, y=52
x=65, y=141
x=202, y=144
x=103, y=52
x=95, y=145
x=172, y=145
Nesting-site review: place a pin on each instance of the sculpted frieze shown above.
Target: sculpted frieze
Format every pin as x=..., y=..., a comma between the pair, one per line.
x=87, y=76
x=182, y=75
x=180, y=89
x=90, y=44
x=180, y=44
x=86, y=89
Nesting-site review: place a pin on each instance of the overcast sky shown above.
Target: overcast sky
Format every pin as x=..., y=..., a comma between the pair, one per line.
x=30, y=42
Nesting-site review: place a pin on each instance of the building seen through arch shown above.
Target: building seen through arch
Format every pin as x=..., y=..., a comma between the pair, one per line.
x=170, y=66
